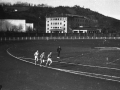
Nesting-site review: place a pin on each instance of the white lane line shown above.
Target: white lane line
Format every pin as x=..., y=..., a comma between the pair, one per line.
x=95, y=74
x=33, y=59
x=18, y=58
x=114, y=61
x=71, y=71
x=23, y=57
x=118, y=48
x=26, y=58
x=93, y=66
x=82, y=73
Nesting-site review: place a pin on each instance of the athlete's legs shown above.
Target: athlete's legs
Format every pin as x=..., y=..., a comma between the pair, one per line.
x=40, y=61
x=47, y=61
x=50, y=61
x=35, y=59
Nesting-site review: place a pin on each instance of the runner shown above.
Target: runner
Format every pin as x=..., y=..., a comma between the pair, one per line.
x=49, y=59
x=36, y=56
x=42, y=57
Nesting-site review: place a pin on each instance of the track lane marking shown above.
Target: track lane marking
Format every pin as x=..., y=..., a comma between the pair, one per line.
x=89, y=65
x=71, y=71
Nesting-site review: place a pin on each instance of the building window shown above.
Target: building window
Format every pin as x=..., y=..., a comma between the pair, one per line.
x=64, y=24
x=47, y=28
x=47, y=24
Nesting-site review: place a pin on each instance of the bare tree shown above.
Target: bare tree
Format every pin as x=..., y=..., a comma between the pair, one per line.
x=1, y=26
x=20, y=27
x=14, y=28
x=29, y=29
x=7, y=26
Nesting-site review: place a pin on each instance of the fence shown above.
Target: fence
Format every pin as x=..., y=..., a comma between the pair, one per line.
x=15, y=34
x=48, y=36
x=52, y=38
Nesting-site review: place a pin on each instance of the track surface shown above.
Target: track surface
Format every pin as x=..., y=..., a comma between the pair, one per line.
x=18, y=75
x=80, y=69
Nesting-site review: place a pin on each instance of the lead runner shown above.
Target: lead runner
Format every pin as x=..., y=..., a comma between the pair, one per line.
x=49, y=59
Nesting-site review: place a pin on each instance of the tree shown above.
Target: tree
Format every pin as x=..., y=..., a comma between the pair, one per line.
x=20, y=27
x=29, y=29
x=2, y=13
x=14, y=28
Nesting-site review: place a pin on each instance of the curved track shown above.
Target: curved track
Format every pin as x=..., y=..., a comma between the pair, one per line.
x=17, y=75
x=64, y=66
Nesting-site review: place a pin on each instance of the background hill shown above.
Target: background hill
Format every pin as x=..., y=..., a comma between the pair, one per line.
x=37, y=14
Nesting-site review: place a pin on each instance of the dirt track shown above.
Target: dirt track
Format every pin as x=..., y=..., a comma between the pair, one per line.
x=18, y=75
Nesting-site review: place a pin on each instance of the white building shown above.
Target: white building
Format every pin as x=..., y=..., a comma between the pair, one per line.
x=78, y=31
x=56, y=24
x=12, y=25
x=68, y=23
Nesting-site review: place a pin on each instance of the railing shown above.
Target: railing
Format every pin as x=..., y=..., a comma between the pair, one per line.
x=48, y=36
x=58, y=34
x=52, y=38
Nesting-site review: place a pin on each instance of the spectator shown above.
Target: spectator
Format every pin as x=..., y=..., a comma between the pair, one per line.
x=59, y=50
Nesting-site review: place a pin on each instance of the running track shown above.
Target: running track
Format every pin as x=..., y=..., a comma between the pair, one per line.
x=72, y=80
x=85, y=70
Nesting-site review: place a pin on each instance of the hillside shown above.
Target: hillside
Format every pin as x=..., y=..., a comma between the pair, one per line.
x=37, y=15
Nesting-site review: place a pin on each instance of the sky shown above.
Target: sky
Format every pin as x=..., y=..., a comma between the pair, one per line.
x=109, y=8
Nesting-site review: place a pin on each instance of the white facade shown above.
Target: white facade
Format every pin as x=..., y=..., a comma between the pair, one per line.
x=54, y=24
